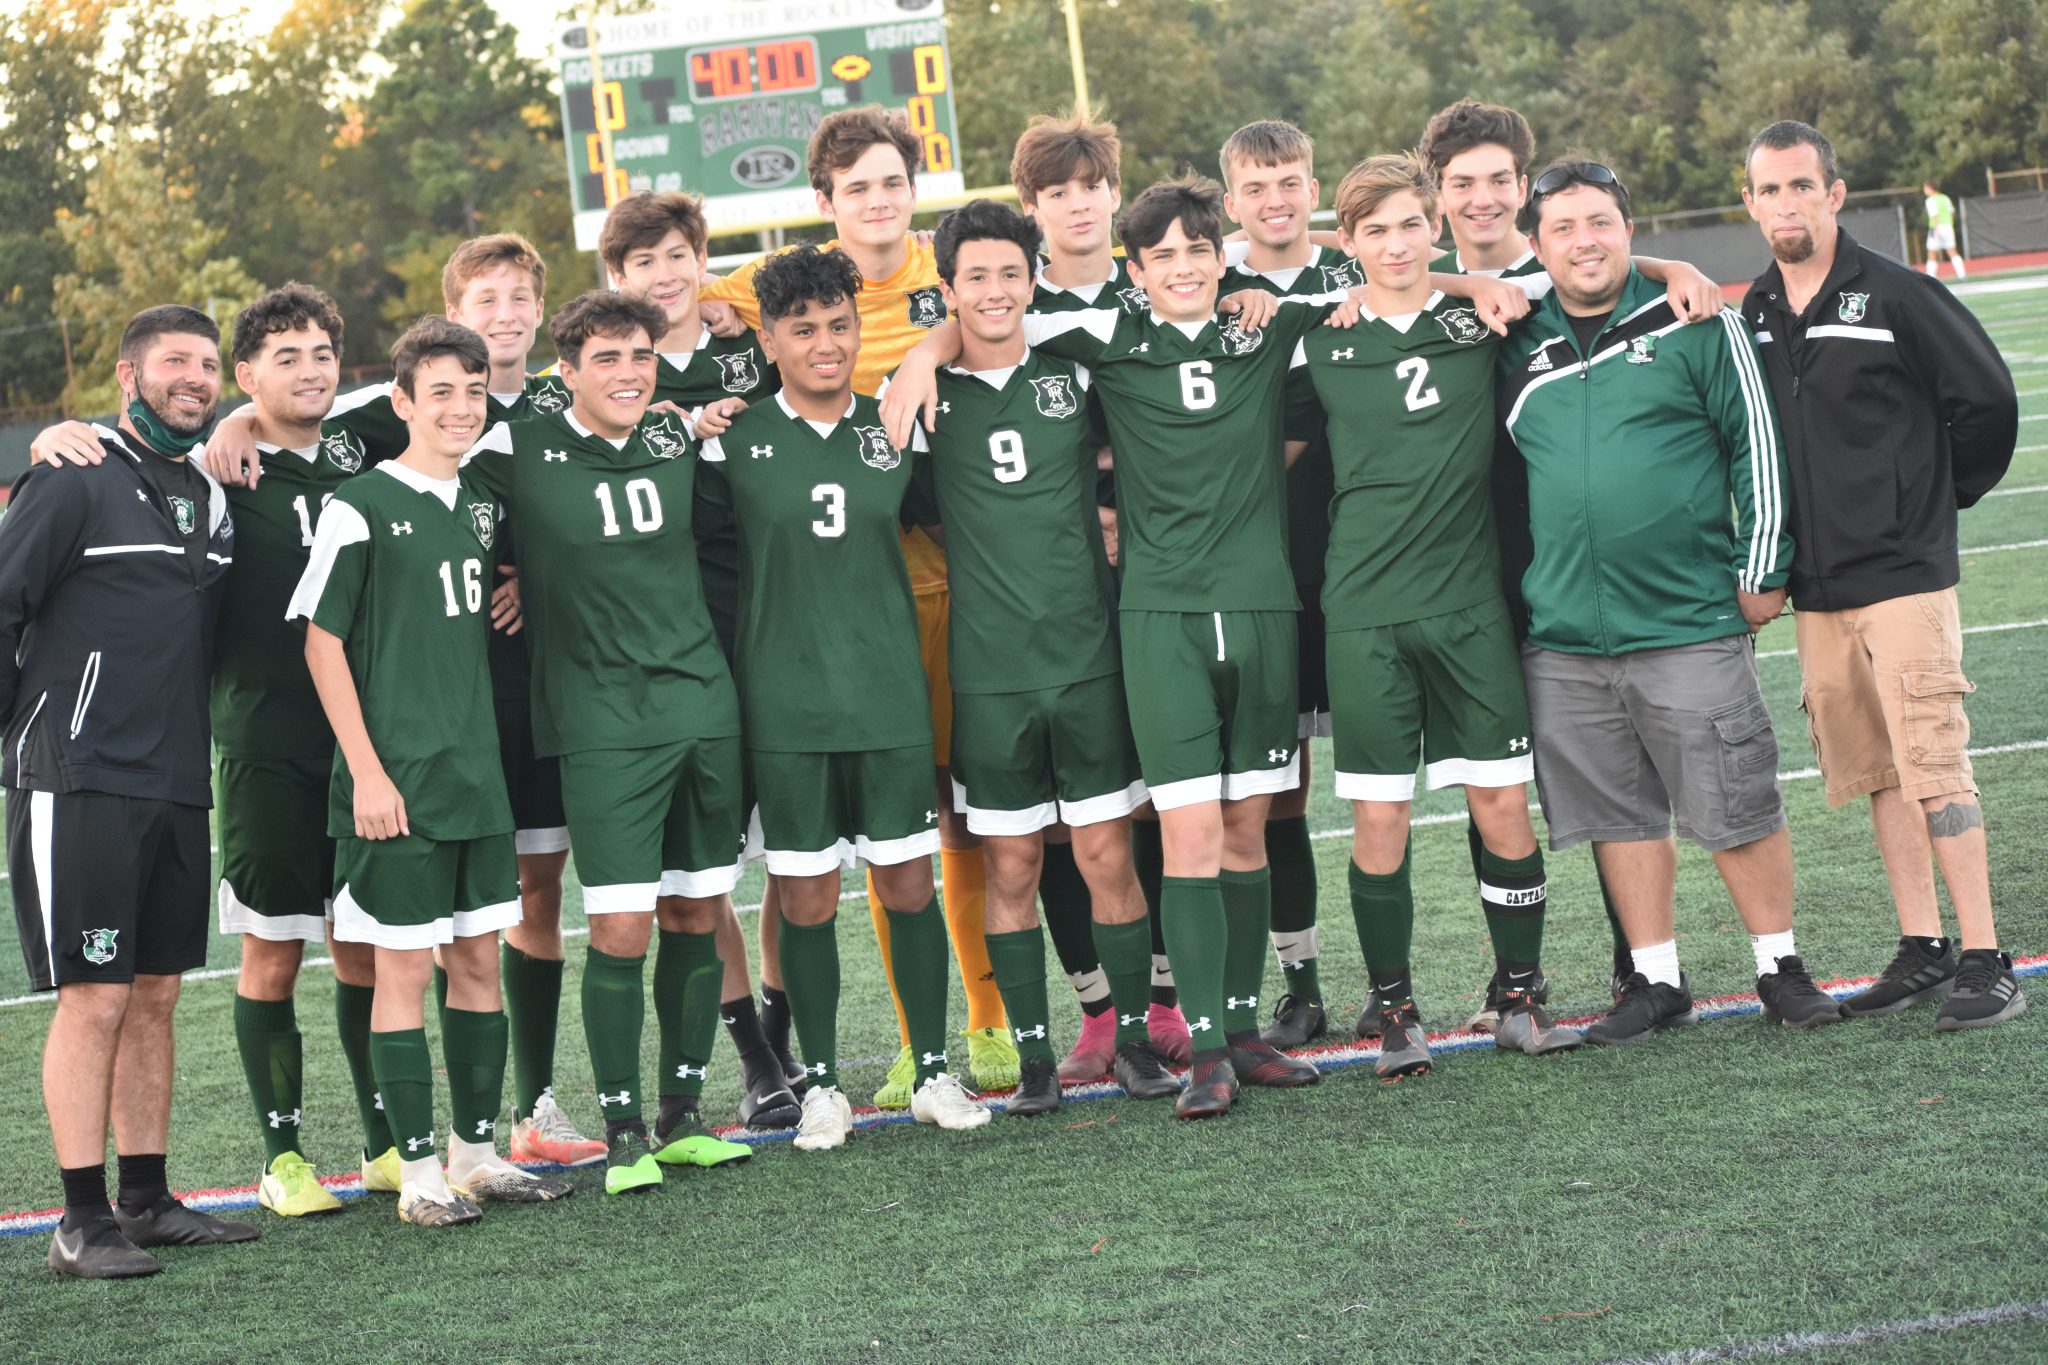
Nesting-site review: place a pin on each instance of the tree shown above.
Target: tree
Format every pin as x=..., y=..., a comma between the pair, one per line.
x=1970, y=84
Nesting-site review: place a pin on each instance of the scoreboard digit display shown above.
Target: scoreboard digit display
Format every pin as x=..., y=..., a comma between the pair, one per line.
x=720, y=97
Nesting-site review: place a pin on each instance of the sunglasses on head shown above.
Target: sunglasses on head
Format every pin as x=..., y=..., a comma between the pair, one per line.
x=1563, y=177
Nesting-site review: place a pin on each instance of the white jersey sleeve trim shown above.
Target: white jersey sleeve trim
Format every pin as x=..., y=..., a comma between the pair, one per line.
x=341, y=525
x=1099, y=323
x=498, y=440
x=356, y=398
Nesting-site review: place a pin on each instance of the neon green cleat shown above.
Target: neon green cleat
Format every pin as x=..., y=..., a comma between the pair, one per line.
x=380, y=1174
x=992, y=1058
x=896, y=1088
x=291, y=1190
x=687, y=1144
x=629, y=1165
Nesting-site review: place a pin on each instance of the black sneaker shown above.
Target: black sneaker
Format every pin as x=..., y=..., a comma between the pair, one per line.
x=167, y=1223
x=1618, y=974
x=1142, y=1072
x=1790, y=997
x=1986, y=992
x=1212, y=1089
x=1643, y=1009
x=1257, y=1062
x=1533, y=988
x=1038, y=1088
x=1912, y=976
x=96, y=1250
x=1296, y=1022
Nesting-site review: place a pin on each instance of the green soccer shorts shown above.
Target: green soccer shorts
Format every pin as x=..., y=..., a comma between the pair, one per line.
x=821, y=813
x=1213, y=703
x=276, y=861
x=533, y=783
x=1025, y=760
x=1447, y=687
x=416, y=892
x=661, y=821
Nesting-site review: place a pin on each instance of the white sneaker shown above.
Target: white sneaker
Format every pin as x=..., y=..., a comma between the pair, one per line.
x=940, y=1100
x=827, y=1120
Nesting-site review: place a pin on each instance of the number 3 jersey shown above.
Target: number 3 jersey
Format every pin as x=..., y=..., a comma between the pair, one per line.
x=828, y=645
x=623, y=652
x=398, y=572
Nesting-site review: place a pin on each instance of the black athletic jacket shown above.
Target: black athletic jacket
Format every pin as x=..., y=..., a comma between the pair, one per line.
x=1896, y=409
x=106, y=633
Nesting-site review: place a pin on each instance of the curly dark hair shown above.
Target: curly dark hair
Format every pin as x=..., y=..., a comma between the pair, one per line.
x=984, y=220
x=430, y=338
x=603, y=313
x=1193, y=201
x=287, y=308
x=789, y=282
x=1471, y=123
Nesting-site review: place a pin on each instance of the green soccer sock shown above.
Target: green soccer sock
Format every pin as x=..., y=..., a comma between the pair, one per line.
x=614, y=1013
x=1291, y=855
x=687, y=978
x=474, y=1045
x=352, y=1021
x=1514, y=896
x=1247, y=916
x=1126, y=952
x=1019, y=960
x=1197, y=939
x=810, y=978
x=1384, y=907
x=917, y=966
x=273, y=1058
x=405, y=1078
x=1068, y=910
x=533, y=1007
x=1148, y=856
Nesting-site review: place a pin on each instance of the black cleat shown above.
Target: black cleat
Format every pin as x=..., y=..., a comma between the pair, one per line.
x=1038, y=1088
x=1259, y=1063
x=1643, y=1009
x=96, y=1250
x=1911, y=977
x=167, y=1223
x=1212, y=1089
x=1790, y=997
x=1986, y=992
x=1369, y=1018
x=769, y=1105
x=1535, y=988
x=1142, y=1072
x=1525, y=1026
x=1297, y=1022
x=1404, y=1048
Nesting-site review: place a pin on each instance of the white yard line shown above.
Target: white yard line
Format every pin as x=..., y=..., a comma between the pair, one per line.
x=1805, y=1343
x=1967, y=630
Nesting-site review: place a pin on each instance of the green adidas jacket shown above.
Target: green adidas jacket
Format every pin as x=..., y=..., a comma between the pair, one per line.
x=1656, y=481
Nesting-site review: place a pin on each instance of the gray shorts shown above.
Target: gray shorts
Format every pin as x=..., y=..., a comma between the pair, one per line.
x=1624, y=743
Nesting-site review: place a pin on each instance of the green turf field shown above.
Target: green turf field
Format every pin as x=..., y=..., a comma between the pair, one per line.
x=1732, y=1185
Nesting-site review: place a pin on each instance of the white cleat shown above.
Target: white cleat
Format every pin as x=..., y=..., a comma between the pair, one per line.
x=940, y=1100
x=435, y=1209
x=827, y=1120
x=496, y=1180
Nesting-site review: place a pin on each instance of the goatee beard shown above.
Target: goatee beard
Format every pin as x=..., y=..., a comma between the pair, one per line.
x=1792, y=250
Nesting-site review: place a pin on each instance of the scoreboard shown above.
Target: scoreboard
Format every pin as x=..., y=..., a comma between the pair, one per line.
x=719, y=98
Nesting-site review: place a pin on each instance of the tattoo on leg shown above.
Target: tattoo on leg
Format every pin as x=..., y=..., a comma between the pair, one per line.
x=1957, y=817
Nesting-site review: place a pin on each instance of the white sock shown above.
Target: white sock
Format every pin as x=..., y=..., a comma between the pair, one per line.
x=1769, y=948
x=426, y=1176
x=1658, y=962
x=1961, y=273
x=1931, y=268
x=1090, y=986
x=464, y=1157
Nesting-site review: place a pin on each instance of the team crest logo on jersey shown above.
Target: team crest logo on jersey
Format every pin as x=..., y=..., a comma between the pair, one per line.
x=740, y=374
x=1854, y=306
x=342, y=450
x=185, y=514
x=1642, y=351
x=1343, y=276
x=1461, y=325
x=485, y=521
x=1236, y=340
x=1056, y=396
x=927, y=307
x=100, y=946
x=1135, y=298
x=548, y=399
x=875, y=449
x=662, y=442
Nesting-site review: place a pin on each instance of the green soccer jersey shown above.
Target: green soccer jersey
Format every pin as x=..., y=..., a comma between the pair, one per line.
x=398, y=572
x=1526, y=267
x=1194, y=413
x=264, y=706
x=1118, y=291
x=1012, y=465
x=1411, y=428
x=623, y=652
x=827, y=655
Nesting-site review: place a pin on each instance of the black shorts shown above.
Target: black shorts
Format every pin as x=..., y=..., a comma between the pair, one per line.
x=1311, y=679
x=533, y=783
x=107, y=888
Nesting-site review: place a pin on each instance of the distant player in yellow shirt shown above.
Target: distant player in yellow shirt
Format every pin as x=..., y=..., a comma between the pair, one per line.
x=863, y=164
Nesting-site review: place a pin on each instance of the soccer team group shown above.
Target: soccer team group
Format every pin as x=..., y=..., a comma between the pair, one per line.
x=1010, y=545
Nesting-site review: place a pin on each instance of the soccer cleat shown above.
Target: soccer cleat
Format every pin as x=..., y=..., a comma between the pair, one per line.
x=1790, y=997
x=1257, y=1062
x=991, y=1058
x=1212, y=1089
x=1297, y=1022
x=98, y=1251
x=167, y=1223
x=1644, y=1008
x=1169, y=1030
x=1038, y=1089
x=1404, y=1049
x=769, y=1104
x=828, y=1119
x=1522, y=1025
x=546, y=1135
x=291, y=1190
x=1535, y=988
x=896, y=1086
x=940, y=1100
x=1142, y=1072
x=629, y=1163
x=380, y=1173
x=1911, y=977
x=424, y=1211
x=1368, y=1026
x=688, y=1144
x=494, y=1180
x=1986, y=992
x=1093, y=1051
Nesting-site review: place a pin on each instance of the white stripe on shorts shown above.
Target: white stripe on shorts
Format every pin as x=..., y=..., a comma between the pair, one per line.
x=621, y=898
x=1190, y=791
x=554, y=839
x=1093, y=810
x=1480, y=772
x=702, y=885
x=237, y=916
x=845, y=855
x=42, y=815
x=1375, y=786
x=1263, y=781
